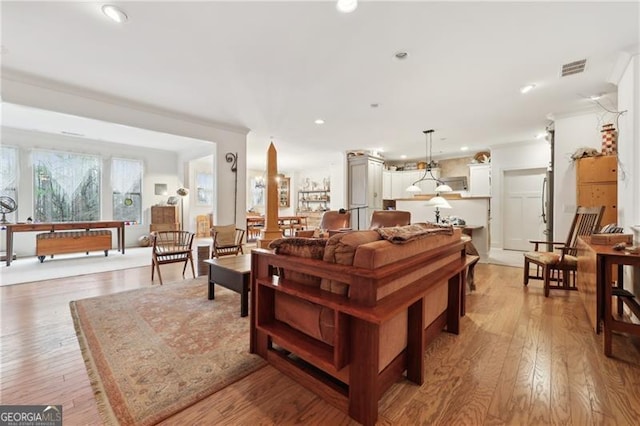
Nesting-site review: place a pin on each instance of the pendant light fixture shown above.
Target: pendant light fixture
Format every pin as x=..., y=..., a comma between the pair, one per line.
x=442, y=187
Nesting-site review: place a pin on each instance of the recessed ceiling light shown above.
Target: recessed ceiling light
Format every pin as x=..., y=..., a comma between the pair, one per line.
x=401, y=55
x=346, y=6
x=403, y=156
x=464, y=148
x=319, y=121
x=115, y=13
x=527, y=88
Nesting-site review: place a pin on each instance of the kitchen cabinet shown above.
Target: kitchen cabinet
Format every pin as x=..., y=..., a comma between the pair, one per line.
x=399, y=181
x=365, y=188
x=387, y=193
x=480, y=180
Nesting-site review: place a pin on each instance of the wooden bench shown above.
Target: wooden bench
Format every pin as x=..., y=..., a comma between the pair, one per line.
x=50, y=243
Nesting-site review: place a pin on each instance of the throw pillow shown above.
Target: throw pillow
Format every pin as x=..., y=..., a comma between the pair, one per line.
x=310, y=248
x=225, y=235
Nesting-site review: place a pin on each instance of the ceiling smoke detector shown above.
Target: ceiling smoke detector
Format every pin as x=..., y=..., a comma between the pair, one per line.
x=575, y=67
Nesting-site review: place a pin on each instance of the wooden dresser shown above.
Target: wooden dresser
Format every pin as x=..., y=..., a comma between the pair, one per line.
x=164, y=218
x=597, y=185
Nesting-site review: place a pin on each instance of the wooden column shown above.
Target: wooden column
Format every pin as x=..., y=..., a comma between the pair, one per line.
x=271, y=229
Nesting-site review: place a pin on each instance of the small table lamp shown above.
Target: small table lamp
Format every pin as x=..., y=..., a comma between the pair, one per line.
x=439, y=203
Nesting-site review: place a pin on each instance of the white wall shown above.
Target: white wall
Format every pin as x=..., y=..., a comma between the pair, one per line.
x=475, y=211
x=629, y=145
x=335, y=171
x=572, y=132
x=527, y=155
x=159, y=167
x=193, y=209
x=629, y=158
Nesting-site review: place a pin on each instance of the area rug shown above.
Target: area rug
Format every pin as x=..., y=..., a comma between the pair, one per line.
x=153, y=352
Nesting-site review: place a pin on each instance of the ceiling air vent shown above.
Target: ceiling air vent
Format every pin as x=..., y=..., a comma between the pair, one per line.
x=575, y=67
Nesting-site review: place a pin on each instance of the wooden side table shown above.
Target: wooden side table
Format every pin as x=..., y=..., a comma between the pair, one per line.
x=234, y=273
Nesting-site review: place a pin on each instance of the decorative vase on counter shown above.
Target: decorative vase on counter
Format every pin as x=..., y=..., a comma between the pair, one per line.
x=609, y=139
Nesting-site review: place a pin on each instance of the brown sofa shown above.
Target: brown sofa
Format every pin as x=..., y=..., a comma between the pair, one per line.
x=347, y=316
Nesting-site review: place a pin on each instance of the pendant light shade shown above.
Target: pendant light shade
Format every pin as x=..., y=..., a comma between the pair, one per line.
x=439, y=203
x=443, y=187
x=428, y=173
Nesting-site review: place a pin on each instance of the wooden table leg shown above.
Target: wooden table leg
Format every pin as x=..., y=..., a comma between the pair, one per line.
x=453, y=306
x=416, y=342
x=606, y=291
x=363, y=372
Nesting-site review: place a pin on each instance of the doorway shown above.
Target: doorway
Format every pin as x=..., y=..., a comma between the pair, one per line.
x=523, y=208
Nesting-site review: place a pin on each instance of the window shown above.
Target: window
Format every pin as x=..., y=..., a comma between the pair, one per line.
x=204, y=186
x=126, y=181
x=9, y=177
x=66, y=187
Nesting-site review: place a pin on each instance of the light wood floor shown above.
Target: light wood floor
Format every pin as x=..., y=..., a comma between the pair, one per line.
x=520, y=359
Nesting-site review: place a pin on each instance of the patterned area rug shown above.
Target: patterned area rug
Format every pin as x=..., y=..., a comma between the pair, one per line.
x=153, y=352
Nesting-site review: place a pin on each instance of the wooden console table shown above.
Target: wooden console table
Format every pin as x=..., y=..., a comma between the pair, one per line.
x=62, y=226
x=595, y=277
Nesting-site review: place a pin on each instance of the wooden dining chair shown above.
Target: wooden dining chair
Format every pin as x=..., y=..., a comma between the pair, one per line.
x=171, y=247
x=332, y=220
x=559, y=266
x=387, y=218
x=227, y=240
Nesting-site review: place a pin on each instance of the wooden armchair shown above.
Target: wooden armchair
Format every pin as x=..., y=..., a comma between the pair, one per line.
x=560, y=266
x=386, y=218
x=331, y=220
x=171, y=247
x=227, y=240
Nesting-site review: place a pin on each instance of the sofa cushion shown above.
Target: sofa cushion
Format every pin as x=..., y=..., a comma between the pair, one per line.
x=310, y=318
x=226, y=234
x=380, y=253
x=341, y=249
x=310, y=248
x=404, y=234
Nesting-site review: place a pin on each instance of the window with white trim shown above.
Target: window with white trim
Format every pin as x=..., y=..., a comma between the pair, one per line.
x=9, y=178
x=126, y=182
x=66, y=186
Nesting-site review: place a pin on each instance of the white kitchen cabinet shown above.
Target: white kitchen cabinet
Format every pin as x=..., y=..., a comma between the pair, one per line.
x=387, y=193
x=401, y=180
x=365, y=188
x=480, y=180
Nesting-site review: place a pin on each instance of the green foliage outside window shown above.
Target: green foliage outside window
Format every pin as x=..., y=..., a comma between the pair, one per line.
x=66, y=187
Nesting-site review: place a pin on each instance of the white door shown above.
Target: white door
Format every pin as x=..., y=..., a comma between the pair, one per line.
x=522, y=212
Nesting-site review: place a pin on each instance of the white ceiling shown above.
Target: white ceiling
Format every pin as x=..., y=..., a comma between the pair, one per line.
x=275, y=67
